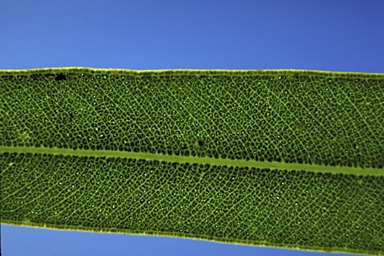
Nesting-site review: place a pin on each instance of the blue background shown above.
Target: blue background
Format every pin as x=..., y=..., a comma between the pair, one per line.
x=199, y=34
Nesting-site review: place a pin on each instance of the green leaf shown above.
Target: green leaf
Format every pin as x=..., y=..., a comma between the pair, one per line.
x=281, y=158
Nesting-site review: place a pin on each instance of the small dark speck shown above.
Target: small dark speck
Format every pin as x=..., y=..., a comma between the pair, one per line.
x=60, y=77
x=200, y=143
x=71, y=117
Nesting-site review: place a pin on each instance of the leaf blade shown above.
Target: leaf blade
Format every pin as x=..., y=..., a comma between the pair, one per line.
x=232, y=112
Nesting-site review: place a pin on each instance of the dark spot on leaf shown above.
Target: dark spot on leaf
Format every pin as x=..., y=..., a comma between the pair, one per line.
x=201, y=143
x=300, y=127
x=296, y=75
x=71, y=117
x=60, y=77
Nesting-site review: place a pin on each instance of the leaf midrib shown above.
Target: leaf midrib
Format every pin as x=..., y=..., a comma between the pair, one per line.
x=193, y=160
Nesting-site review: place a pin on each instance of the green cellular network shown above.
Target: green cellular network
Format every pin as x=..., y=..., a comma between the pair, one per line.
x=280, y=158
